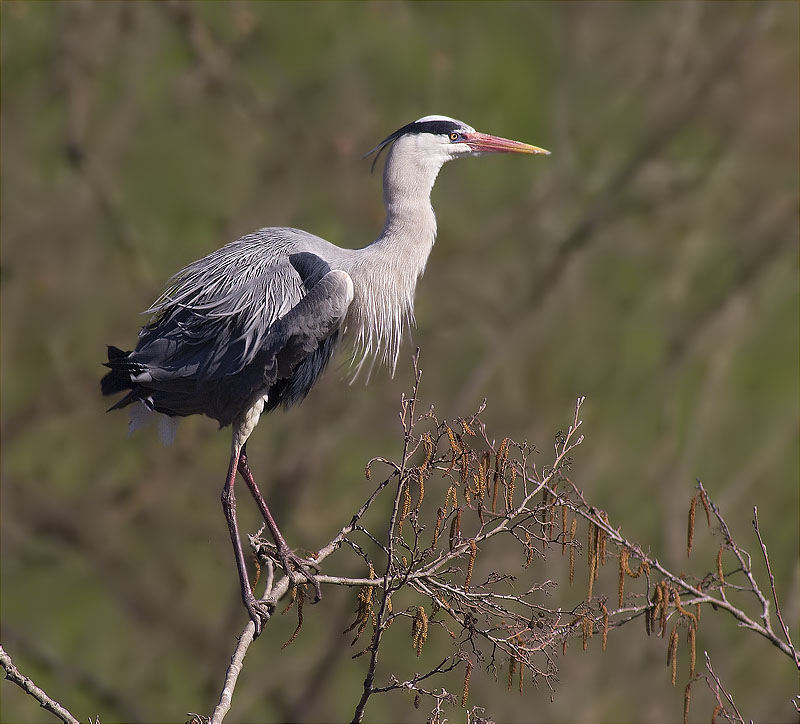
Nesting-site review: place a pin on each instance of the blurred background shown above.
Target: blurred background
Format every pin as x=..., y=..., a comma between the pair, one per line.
x=650, y=263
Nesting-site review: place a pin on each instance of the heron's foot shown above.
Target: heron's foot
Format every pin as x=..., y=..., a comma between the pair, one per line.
x=260, y=611
x=293, y=565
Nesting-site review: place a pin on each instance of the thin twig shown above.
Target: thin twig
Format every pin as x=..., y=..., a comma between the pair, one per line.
x=407, y=418
x=722, y=688
x=772, y=586
x=29, y=687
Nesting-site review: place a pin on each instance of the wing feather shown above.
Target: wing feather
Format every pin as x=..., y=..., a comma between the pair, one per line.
x=237, y=323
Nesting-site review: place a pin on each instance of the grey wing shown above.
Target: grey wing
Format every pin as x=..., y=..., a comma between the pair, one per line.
x=232, y=327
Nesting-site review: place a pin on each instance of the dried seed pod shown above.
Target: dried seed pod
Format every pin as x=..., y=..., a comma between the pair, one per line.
x=419, y=629
x=421, y=482
x=683, y=612
x=427, y=442
x=292, y=599
x=451, y=493
x=638, y=572
x=440, y=516
x=687, y=694
x=453, y=443
x=719, y=567
x=655, y=609
x=512, y=667
x=521, y=675
x=364, y=608
x=692, y=639
x=690, y=530
x=510, y=490
x=465, y=692
x=473, y=551
x=455, y=528
x=500, y=462
x=623, y=564
x=483, y=475
x=530, y=548
x=464, y=466
x=706, y=506
x=605, y=624
x=406, y=508
x=257, y=566
x=300, y=600
x=465, y=426
x=563, y=529
x=672, y=653
x=572, y=532
x=592, y=573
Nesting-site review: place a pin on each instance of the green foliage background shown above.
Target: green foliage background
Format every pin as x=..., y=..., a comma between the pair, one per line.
x=651, y=264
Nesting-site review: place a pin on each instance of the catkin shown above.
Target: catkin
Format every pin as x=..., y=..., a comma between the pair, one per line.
x=465, y=692
x=455, y=528
x=419, y=629
x=440, y=516
x=300, y=600
x=687, y=694
x=706, y=506
x=473, y=551
x=572, y=532
x=672, y=653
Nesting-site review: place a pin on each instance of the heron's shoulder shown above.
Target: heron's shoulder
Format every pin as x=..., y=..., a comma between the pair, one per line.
x=276, y=242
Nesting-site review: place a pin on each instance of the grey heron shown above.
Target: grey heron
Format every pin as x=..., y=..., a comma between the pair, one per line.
x=252, y=325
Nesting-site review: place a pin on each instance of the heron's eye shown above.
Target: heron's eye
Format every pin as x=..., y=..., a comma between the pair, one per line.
x=455, y=136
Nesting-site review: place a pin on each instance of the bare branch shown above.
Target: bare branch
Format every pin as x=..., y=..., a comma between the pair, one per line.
x=29, y=687
x=772, y=586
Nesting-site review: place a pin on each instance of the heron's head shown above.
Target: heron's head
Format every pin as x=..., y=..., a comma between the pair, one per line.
x=438, y=139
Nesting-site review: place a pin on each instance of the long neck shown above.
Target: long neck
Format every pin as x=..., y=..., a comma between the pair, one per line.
x=385, y=273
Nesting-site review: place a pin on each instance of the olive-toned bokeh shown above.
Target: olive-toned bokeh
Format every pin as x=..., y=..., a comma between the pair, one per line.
x=650, y=263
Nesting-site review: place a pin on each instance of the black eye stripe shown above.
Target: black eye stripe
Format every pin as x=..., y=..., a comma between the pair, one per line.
x=435, y=127
x=438, y=127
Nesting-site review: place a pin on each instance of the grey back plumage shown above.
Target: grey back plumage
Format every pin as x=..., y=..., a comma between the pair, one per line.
x=260, y=316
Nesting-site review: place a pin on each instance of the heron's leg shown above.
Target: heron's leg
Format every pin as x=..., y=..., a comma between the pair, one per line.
x=259, y=612
x=288, y=559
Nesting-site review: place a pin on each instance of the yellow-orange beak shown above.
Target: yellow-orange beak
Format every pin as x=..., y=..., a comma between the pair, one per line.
x=484, y=143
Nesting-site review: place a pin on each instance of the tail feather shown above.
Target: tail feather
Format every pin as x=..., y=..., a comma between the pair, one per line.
x=119, y=378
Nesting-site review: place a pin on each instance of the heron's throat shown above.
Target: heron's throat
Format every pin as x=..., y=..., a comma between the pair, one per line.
x=385, y=274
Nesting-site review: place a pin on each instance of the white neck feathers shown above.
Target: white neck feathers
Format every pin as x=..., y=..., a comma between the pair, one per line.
x=385, y=273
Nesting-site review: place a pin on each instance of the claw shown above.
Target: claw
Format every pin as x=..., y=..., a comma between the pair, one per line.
x=259, y=611
x=292, y=562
